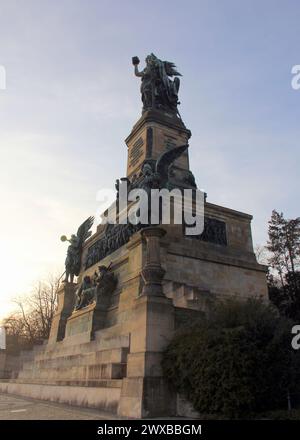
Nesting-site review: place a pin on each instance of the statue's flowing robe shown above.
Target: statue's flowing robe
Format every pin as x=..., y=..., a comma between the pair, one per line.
x=73, y=260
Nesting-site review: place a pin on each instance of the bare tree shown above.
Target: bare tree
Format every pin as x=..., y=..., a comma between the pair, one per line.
x=31, y=323
x=261, y=253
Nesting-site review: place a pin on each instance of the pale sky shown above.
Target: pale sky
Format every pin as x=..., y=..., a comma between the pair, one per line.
x=71, y=99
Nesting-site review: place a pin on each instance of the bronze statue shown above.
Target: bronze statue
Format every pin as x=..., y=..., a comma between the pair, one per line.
x=156, y=175
x=73, y=259
x=158, y=90
x=84, y=293
x=165, y=161
x=105, y=282
x=97, y=289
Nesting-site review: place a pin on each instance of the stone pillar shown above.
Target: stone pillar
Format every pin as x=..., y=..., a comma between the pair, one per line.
x=145, y=392
x=2, y=364
x=152, y=272
x=154, y=133
x=65, y=306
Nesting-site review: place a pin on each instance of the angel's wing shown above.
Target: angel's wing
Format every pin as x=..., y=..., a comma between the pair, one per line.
x=84, y=232
x=170, y=69
x=167, y=158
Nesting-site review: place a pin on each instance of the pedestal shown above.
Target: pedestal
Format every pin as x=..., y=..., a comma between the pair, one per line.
x=145, y=393
x=155, y=132
x=83, y=323
x=152, y=272
x=2, y=363
x=66, y=301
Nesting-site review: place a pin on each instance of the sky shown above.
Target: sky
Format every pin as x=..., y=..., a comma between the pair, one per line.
x=71, y=99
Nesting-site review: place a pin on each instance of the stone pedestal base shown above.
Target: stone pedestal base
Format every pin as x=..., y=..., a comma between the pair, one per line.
x=154, y=133
x=66, y=299
x=86, y=321
x=145, y=392
x=2, y=363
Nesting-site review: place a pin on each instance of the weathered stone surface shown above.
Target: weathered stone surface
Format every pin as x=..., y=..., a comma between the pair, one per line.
x=104, y=398
x=153, y=134
x=66, y=299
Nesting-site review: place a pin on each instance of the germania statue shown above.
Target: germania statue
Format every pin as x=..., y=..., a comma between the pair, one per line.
x=73, y=259
x=158, y=90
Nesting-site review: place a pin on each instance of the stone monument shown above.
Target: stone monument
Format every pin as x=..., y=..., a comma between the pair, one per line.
x=139, y=283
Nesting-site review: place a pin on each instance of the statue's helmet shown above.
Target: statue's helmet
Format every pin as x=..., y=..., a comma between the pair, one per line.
x=150, y=58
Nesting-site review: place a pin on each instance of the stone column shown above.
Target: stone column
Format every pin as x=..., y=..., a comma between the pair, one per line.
x=65, y=306
x=152, y=272
x=2, y=364
x=145, y=392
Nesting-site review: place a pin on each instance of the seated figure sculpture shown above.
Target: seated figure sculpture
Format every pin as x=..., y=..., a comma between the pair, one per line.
x=85, y=293
x=96, y=289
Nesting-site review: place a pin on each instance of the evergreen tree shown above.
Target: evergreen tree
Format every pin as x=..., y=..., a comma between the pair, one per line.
x=237, y=362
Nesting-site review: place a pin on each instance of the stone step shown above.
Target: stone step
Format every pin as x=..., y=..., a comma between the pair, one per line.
x=105, y=383
x=27, y=365
x=187, y=296
x=85, y=372
x=60, y=349
x=196, y=294
x=107, y=371
x=28, y=355
x=101, y=397
x=110, y=342
x=114, y=355
x=100, y=343
x=103, y=358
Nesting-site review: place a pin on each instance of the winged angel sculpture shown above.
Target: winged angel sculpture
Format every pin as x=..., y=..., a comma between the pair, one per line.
x=165, y=161
x=159, y=177
x=73, y=259
x=158, y=89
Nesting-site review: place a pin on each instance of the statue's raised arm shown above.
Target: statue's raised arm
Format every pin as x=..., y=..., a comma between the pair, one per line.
x=136, y=62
